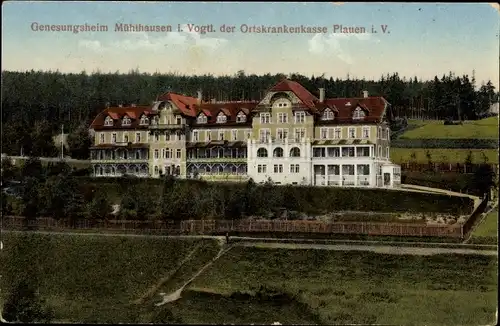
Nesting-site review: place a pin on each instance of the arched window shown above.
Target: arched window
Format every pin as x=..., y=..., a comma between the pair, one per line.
x=262, y=152
x=387, y=152
x=380, y=151
x=144, y=120
x=278, y=152
x=358, y=113
x=295, y=152
x=126, y=121
x=108, y=121
x=327, y=114
x=156, y=170
x=125, y=138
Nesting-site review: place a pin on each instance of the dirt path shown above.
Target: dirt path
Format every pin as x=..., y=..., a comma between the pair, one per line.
x=151, y=291
x=391, y=250
x=176, y=295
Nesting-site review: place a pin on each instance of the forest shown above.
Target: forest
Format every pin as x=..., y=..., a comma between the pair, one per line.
x=37, y=103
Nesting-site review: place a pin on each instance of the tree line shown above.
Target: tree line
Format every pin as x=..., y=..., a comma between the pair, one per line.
x=72, y=99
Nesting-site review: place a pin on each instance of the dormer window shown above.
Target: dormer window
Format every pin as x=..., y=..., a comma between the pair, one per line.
x=241, y=117
x=155, y=121
x=328, y=114
x=201, y=118
x=108, y=121
x=348, y=104
x=126, y=121
x=221, y=118
x=358, y=114
x=144, y=120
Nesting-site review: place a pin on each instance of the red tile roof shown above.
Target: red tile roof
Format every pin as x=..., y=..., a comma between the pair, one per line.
x=117, y=113
x=184, y=103
x=303, y=94
x=230, y=109
x=374, y=105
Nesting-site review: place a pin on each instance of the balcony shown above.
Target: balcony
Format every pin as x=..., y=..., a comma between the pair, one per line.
x=272, y=140
x=164, y=126
x=217, y=160
x=119, y=160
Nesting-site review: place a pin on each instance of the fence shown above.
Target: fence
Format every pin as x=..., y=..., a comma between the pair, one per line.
x=208, y=227
x=467, y=226
x=365, y=228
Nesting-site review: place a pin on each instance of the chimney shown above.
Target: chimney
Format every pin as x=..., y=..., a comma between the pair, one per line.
x=213, y=101
x=365, y=94
x=199, y=97
x=133, y=105
x=321, y=95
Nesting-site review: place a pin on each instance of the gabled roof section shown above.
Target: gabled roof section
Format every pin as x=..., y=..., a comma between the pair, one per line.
x=230, y=109
x=117, y=113
x=374, y=106
x=184, y=103
x=300, y=91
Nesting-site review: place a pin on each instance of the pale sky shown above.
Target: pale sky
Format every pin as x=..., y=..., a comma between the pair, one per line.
x=420, y=39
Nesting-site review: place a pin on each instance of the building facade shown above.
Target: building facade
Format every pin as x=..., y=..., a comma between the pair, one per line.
x=289, y=137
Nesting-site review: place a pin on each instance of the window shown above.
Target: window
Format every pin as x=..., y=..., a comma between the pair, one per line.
x=294, y=168
x=300, y=134
x=179, y=136
x=282, y=134
x=265, y=118
x=108, y=121
x=261, y=168
x=352, y=132
x=241, y=117
x=262, y=152
x=126, y=121
x=168, y=153
x=337, y=133
x=179, y=120
x=138, y=137
x=221, y=118
x=249, y=134
x=221, y=135
x=264, y=135
x=366, y=132
x=324, y=133
x=328, y=114
x=156, y=154
x=201, y=118
x=157, y=137
x=333, y=151
x=178, y=153
x=300, y=117
x=125, y=138
x=363, y=151
x=379, y=132
x=208, y=135
x=101, y=138
x=358, y=114
x=388, y=133
x=156, y=170
x=234, y=134
x=380, y=151
x=278, y=152
x=319, y=152
x=167, y=136
x=295, y=152
x=348, y=151
x=195, y=136
x=163, y=153
x=278, y=168
x=113, y=138
x=282, y=117
x=144, y=120
x=387, y=152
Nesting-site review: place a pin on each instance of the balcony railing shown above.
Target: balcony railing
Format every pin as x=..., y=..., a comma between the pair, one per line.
x=272, y=140
x=218, y=159
x=119, y=160
x=167, y=126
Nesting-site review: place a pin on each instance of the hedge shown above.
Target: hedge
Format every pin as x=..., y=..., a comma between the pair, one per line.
x=454, y=181
x=446, y=143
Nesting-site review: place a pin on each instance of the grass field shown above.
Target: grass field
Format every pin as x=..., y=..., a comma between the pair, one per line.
x=93, y=279
x=403, y=155
x=487, y=231
x=479, y=129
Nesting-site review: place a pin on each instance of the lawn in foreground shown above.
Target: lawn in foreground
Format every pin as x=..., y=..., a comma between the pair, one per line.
x=91, y=278
x=362, y=287
x=453, y=156
x=478, y=129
